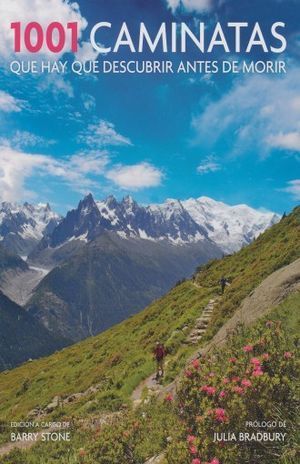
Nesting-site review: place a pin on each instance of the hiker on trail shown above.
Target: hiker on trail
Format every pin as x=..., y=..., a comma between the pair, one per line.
x=223, y=283
x=159, y=353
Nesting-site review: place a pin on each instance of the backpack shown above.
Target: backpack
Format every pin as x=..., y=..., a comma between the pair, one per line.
x=159, y=352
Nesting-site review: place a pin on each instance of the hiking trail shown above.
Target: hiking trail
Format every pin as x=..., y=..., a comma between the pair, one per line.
x=150, y=386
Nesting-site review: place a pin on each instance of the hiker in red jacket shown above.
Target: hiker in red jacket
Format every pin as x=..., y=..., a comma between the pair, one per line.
x=159, y=353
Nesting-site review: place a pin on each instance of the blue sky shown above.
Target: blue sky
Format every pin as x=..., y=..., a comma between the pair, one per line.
x=235, y=138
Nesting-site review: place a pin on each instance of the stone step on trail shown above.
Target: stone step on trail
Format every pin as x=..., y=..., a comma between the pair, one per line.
x=194, y=341
x=200, y=331
x=201, y=323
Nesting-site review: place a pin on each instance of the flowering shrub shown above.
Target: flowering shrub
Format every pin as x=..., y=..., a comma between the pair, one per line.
x=249, y=382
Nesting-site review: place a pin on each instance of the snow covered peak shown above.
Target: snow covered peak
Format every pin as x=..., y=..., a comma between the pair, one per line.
x=178, y=222
x=230, y=227
x=22, y=226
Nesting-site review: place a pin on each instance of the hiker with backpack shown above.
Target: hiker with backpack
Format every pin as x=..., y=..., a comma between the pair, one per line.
x=223, y=283
x=159, y=354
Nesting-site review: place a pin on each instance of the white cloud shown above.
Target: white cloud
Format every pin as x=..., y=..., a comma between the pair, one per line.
x=136, y=176
x=9, y=104
x=57, y=84
x=86, y=52
x=103, y=134
x=258, y=114
x=288, y=141
x=81, y=172
x=88, y=101
x=76, y=171
x=44, y=12
x=15, y=167
x=293, y=188
x=199, y=6
x=209, y=164
x=89, y=163
x=26, y=139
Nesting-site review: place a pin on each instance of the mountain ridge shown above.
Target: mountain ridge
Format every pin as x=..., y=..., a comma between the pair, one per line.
x=175, y=221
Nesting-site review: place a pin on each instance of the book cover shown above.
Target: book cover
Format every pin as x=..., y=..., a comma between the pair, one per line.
x=149, y=231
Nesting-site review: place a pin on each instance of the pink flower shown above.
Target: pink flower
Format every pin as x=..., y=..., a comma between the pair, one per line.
x=235, y=379
x=288, y=355
x=196, y=461
x=246, y=383
x=222, y=394
x=257, y=372
x=238, y=390
x=211, y=391
x=255, y=361
x=215, y=461
x=248, y=348
x=191, y=439
x=226, y=380
x=196, y=363
x=193, y=449
x=220, y=411
x=266, y=356
x=169, y=397
x=221, y=415
x=188, y=373
x=233, y=360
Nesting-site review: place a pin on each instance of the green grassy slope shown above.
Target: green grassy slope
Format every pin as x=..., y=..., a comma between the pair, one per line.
x=120, y=357
x=163, y=427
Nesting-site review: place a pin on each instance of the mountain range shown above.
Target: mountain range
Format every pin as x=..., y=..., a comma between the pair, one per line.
x=106, y=260
x=179, y=222
x=176, y=222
